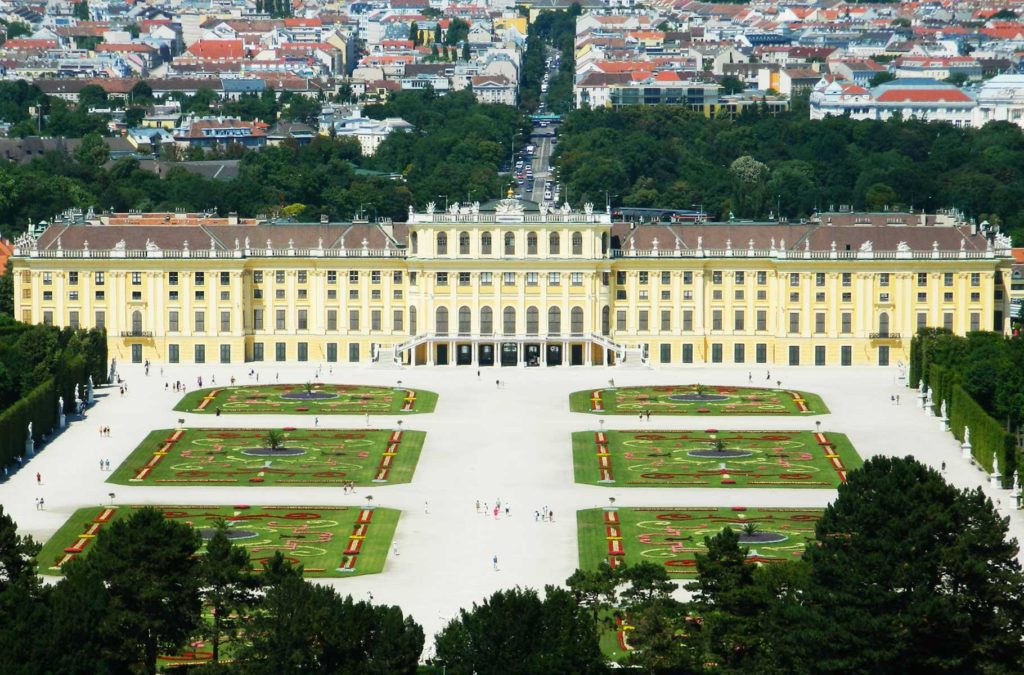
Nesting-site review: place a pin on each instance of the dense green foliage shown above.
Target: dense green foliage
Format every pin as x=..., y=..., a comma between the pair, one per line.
x=661, y=156
x=979, y=377
x=38, y=364
x=140, y=593
x=909, y=574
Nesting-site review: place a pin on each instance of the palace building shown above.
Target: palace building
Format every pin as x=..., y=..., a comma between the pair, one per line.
x=515, y=283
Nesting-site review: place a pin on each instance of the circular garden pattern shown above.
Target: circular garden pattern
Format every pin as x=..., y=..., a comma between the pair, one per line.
x=696, y=399
x=242, y=457
x=713, y=458
x=309, y=399
x=674, y=536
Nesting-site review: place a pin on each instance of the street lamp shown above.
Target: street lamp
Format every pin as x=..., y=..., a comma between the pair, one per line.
x=111, y=495
x=817, y=423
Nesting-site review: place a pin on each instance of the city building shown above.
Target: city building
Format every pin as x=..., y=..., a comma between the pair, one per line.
x=511, y=282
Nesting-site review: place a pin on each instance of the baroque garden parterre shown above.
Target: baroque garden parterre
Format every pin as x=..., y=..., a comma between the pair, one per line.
x=308, y=399
x=713, y=458
x=329, y=541
x=696, y=399
x=200, y=456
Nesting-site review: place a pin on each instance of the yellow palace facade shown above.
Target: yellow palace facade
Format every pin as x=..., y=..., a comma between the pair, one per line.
x=511, y=283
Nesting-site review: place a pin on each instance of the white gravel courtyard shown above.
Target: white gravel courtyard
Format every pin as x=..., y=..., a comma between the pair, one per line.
x=484, y=443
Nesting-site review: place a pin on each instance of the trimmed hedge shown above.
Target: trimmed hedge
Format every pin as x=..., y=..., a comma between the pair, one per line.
x=988, y=437
x=38, y=407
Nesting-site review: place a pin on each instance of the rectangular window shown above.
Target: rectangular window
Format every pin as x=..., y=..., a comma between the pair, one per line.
x=819, y=279
x=819, y=297
x=257, y=351
x=200, y=295
x=332, y=277
x=794, y=322
x=508, y=278
x=279, y=276
x=353, y=276
x=794, y=355
x=173, y=354
x=136, y=278
x=173, y=296
x=947, y=297
x=463, y=278
x=257, y=276
x=98, y=278
x=486, y=279
x=353, y=319
x=442, y=278
x=620, y=278
x=794, y=296
x=975, y=279
x=716, y=277
x=101, y=319
x=666, y=319
x=762, y=278
x=687, y=353
x=279, y=319
x=716, y=319
x=531, y=278
x=101, y=295
x=716, y=353
x=375, y=319
x=846, y=355
x=374, y=276
x=847, y=279
x=73, y=295
x=687, y=319
x=922, y=297
x=554, y=278
x=172, y=321
x=794, y=279
x=761, y=352
x=739, y=320
x=620, y=320
x=73, y=278
x=847, y=297
x=922, y=278
x=280, y=351
x=819, y=355
x=200, y=321
x=883, y=279
x=200, y=278
x=947, y=279
x=303, y=319
x=819, y=322
x=397, y=320
x=687, y=278
x=739, y=278
x=225, y=278
x=975, y=321
x=642, y=319
x=303, y=351
x=666, y=278
x=947, y=320
x=846, y=323
x=577, y=278
x=922, y=319
x=200, y=353
x=257, y=319
x=73, y=319
x=278, y=294
x=225, y=353
x=332, y=319
x=975, y=297
x=332, y=352
x=665, y=355
x=353, y=352
x=225, y=322
x=738, y=294
x=739, y=353
x=644, y=278
x=396, y=277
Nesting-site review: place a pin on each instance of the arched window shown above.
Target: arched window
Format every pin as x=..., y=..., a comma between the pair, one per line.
x=412, y=321
x=510, y=243
x=465, y=326
x=577, y=243
x=508, y=320
x=606, y=320
x=485, y=243
x=554, y=321
x=441, y=321
x=136, y=321
x=532, y=321
x=531, y=243
x=576, y=320
x=553, y=243
x=414, y=241
x=883, y=324
x=486, y=321
x=442, y=243
x=464, y=243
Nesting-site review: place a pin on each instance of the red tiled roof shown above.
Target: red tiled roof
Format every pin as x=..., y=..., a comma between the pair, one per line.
x=893, y=95
x=218, y=49
x=28, y=43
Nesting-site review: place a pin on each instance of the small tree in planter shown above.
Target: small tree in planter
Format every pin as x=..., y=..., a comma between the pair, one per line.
x=309, y=388
x=700, y=390
x=274, y=439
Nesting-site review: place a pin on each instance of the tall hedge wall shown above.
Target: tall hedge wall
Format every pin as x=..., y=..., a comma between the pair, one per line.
x=38, y=407
x=988, y=437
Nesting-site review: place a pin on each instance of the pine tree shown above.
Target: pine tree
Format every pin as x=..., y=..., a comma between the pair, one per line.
x=414, y=33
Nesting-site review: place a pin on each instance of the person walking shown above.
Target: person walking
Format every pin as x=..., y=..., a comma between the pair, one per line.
x=394, y=548
x=495, y=562
x=39, y=478
x=478, y=506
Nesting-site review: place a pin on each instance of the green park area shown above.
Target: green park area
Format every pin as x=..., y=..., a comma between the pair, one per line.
x=674, y=536
x=308, y=399
x=286, y=456
x=328, y=541
x=713, y=458
x=696, y=399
